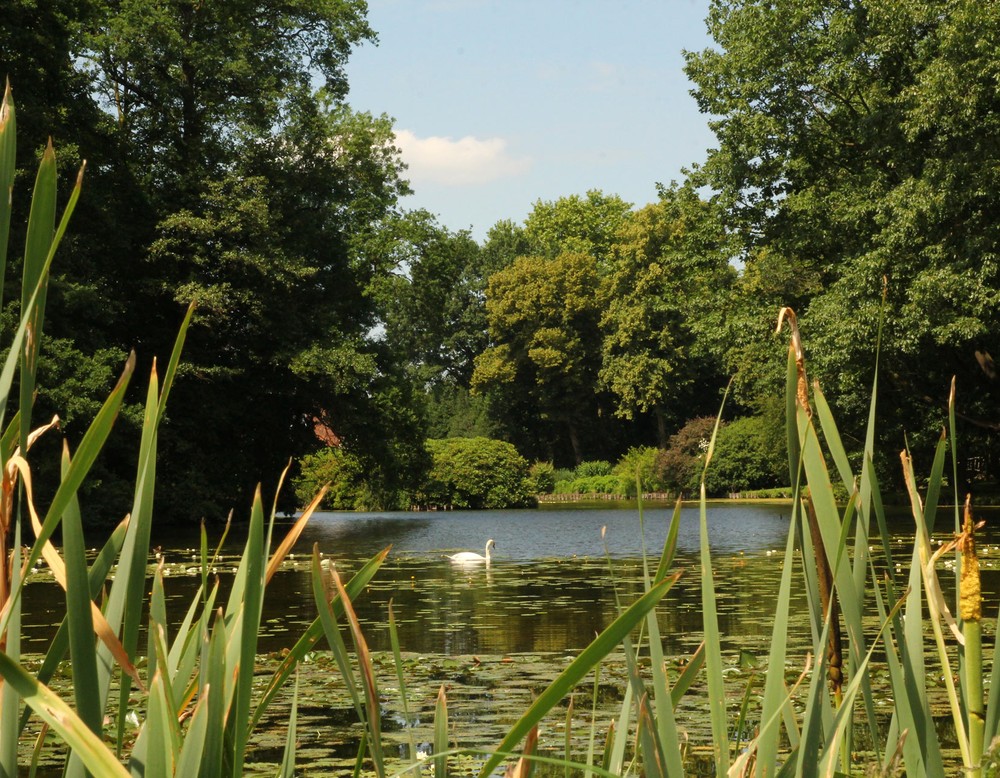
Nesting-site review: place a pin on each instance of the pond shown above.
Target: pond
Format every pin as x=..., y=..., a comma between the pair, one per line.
x=497, y=635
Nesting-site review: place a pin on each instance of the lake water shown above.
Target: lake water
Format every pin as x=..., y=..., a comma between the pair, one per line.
x=495, y=636
x=548, y=588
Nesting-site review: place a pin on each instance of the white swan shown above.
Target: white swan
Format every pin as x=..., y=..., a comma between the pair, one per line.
x=471, y=557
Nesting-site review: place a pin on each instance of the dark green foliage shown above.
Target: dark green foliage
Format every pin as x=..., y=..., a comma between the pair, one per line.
x=669, y=267
x=218, y=172
x=857, y=147
x=331, y=466
x=454, y=412
x=475, y=473
x=679, y=467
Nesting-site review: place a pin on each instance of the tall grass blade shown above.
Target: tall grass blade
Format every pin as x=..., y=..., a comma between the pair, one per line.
x=333, y=637
x=313, y=633
x=10, y=698
x=8, y=167
x=397, y=657
x=670, y=546
x=41, y=227
x=774, y=697
x=248, y=592
x=564, y=683
x=287, y=769
x=61, y=718
x=667, y=740
x=367, y=676
x=441, y=734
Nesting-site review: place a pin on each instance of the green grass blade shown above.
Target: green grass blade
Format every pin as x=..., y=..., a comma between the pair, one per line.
x=61, y=718
x=189, y=759
x=441, y=735
x=38, y=240
x=713, y=650
x=688, y=675
x=992, y=728
x=397, y=658
x=287, y=769
x=78, y=612
x=774, y=696
x=670, y=546
x=665, y=727
x=248, y=591
x=313, y=633
x=8, y=167
x=579, y=667
x=215, y=676
x=367, y=672
x=10, y=699
x=333, y=637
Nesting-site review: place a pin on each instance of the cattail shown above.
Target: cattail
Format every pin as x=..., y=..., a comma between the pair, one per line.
x=970, y=603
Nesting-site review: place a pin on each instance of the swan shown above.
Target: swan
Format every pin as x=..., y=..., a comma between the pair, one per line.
x=467, y=557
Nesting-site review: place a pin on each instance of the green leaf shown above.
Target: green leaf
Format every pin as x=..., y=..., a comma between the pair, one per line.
x=579, y=667
x=58, y=715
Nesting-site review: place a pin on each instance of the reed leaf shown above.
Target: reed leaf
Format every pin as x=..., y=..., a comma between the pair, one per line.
x=713, y=639
x=313, y=633
x=774, y=696
x=441, y=734
x=334, y=639
x=189, y=758
x=215, y=678
x=397, y=658
x=287, y=769
x=10, y=698
x=367, y=673
x=564, y=683
x=668, y=743
x=8, y=167
x=61, y=718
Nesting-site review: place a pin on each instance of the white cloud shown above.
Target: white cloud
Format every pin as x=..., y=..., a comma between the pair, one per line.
x=459, y=162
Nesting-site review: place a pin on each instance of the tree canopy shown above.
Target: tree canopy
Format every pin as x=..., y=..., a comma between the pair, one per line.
x=857, y=149
x=854, y=179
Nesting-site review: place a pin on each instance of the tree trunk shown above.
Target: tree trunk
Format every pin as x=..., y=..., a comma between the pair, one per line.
x=661, y=427
x=574, y=440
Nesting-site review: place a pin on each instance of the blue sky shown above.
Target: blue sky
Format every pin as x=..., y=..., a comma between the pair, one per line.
x=497, y=104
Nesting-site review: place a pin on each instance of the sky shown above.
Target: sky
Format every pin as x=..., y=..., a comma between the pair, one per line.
x=500, y=103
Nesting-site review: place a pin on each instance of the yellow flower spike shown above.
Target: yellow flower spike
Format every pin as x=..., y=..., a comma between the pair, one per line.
x=970, y=588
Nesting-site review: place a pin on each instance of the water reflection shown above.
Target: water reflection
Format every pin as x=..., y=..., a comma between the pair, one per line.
x=549, y=588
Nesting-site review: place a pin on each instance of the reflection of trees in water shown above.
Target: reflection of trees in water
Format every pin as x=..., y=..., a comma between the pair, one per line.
x=360, y=536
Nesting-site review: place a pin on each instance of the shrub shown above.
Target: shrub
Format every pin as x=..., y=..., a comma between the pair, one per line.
x=543, y=477
x=333, y=466
x=600, y=484
x=680, y=465
x=588, y=469
x=475, y=473
x=749, y=454
x=641, y=461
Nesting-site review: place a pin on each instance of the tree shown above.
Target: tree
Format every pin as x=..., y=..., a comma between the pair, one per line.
x=543, y=319
x=432, y=306
x=260, y=195
x=669, y=271
x=585, y=225
x=857, y=142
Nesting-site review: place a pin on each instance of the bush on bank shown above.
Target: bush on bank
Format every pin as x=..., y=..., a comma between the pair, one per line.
x=475, y=473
